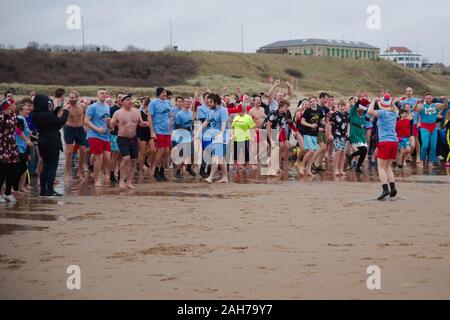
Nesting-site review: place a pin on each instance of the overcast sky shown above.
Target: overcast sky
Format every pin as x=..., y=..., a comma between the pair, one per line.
x=215, y=24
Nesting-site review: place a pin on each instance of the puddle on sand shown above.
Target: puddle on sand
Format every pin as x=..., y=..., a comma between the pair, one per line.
x=87, y=191
x=11, y=228
x=28, y=216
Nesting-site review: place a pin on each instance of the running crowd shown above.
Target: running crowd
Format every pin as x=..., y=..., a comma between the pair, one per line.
x=113, y=138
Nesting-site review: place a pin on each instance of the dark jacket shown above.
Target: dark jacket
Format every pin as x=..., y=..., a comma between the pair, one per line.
x=48, y=125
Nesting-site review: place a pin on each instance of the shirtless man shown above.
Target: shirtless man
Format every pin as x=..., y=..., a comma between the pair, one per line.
x=258, y=115
x=74, y=133
x=127, y=119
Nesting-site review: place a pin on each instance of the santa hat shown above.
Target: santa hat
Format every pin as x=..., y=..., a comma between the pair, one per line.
x=386, y=101
x=363, y=104
x=6, y=104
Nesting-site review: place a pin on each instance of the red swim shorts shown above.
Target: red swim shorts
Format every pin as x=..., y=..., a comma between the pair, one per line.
x=283, y=136
x=99, y=146
x=162, y=141
x=415, y=131
x=387, y=150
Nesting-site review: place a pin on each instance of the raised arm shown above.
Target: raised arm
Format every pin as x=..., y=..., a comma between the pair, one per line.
x=271, y=91
x=371, y=110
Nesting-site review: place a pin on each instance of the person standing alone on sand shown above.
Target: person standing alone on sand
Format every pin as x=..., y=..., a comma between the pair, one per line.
x=97, y=119
x=388, y=143
x=128, y=119
x=74, y=133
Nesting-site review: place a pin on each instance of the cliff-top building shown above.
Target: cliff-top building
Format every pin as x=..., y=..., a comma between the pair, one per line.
x=323, y=48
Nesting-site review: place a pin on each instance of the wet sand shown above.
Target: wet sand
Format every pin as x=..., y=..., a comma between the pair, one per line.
x=256, y=238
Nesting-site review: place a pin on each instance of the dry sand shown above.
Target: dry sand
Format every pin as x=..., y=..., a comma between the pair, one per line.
x=285, y=240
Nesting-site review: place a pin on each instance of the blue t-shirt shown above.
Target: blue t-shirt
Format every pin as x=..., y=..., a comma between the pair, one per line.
x=203, y=112
x=98, y=113
x=160, y=111
x=429, y=113
x=387, y=121
x=215, y=119
x=184, y=120
x=175, y=111
x=411, y=101
x=21, y=144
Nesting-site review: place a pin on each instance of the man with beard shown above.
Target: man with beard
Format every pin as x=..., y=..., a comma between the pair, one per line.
x=74, y=133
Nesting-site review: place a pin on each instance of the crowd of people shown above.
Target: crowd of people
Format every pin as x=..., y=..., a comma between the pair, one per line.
x=109, y=139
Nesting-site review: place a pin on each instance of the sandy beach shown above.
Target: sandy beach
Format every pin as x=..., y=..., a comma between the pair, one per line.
x=291, y=239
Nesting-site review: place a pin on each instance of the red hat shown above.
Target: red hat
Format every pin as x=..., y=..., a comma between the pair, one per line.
x=6, y=104
x=386, y=101
x=363, y=104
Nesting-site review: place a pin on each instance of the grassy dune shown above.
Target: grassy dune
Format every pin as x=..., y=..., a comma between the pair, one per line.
x=215, y=70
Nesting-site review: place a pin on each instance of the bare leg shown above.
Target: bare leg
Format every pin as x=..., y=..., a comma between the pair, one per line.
x=131, y=171
x=105, y=164
x=337, y=163
x=124, y=171
x=418, y=148
x=142, y=154
x=68, y=155
x=152, y=154
x=224, y=171
x=98, y=163
x=214, y=166
x=81, y=161
x=382, y=171
x=308, y=161
x=318, y=156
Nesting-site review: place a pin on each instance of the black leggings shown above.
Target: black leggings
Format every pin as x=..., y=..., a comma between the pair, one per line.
x=7, y=175
x=362, y=152
x=20, y=169
x=48, y=174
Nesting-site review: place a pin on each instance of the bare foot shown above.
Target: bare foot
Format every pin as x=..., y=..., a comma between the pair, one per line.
x=337, y=174
x=224, y=180
x=98, y=184
x=208, y=180
x=130, y=186
x=342, y=174
x=301, y=170
x=309, y=173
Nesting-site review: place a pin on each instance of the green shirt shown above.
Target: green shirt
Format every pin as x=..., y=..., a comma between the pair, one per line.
x=357, y=126
x=242, y=126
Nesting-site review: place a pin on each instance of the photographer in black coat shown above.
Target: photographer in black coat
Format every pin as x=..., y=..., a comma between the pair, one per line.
x=49, y=122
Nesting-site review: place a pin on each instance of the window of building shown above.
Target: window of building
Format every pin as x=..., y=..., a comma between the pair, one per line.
x=338, y=51
x=346, y=53
x=332, y=50
x=328, y=51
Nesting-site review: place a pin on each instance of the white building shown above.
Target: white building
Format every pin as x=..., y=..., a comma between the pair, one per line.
x=403, y=56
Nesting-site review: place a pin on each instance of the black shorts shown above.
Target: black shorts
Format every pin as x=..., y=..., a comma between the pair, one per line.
x=239, y=147
x=74, y=135
x=144, y=134
x=128, y=147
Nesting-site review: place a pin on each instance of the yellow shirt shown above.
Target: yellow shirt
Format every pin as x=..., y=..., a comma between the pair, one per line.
x=242, y=126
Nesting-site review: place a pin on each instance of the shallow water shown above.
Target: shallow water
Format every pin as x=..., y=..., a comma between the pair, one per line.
x=30, y=208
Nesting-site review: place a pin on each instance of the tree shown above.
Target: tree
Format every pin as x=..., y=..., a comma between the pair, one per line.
x=33, y=45
x=131, y=48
